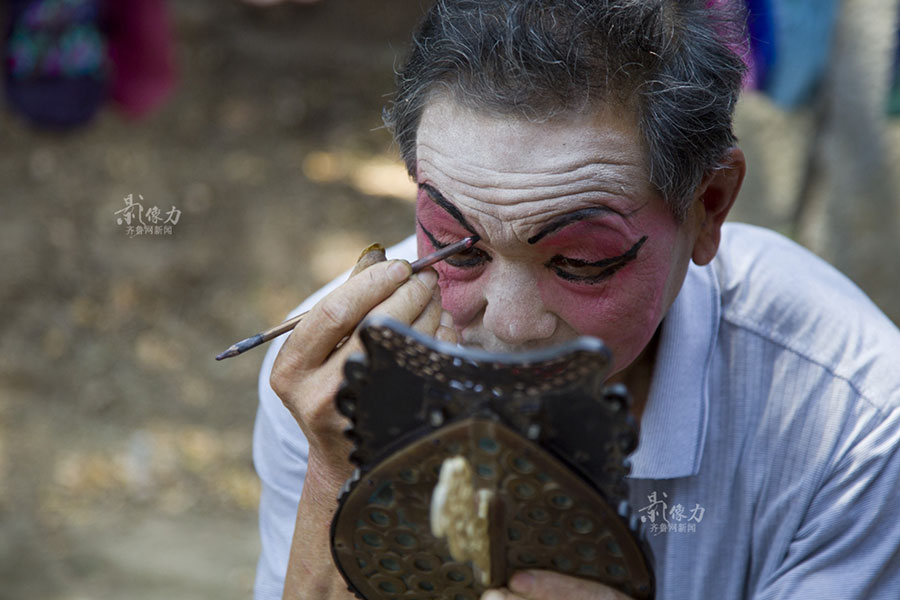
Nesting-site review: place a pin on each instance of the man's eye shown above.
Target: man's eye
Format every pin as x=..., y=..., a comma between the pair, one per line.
x=583, y=271
x=467, y=259
x=574, y=269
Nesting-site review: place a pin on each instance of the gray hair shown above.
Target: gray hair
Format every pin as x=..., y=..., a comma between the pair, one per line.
x=672, y=62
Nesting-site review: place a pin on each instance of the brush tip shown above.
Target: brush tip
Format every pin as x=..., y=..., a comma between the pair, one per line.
x=233, y=351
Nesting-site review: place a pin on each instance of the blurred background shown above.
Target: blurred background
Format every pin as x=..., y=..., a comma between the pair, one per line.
x=233, y=163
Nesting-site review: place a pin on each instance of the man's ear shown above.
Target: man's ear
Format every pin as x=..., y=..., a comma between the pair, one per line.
x=716, y=196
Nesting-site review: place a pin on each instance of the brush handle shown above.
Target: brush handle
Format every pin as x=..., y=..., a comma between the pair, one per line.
x=371, y=255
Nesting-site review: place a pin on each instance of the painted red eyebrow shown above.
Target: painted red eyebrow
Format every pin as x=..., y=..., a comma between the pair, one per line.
x=448, y=206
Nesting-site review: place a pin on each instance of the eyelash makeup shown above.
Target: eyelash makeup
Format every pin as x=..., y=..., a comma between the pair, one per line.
x=608, y=266
x=465, y=259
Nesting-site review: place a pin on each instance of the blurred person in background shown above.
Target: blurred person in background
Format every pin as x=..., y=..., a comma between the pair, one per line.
x=66, y=59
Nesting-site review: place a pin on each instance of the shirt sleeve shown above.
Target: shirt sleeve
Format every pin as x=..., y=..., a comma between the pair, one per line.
x=280, y=453
x=848, y=546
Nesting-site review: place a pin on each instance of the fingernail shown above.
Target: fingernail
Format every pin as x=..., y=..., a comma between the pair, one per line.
x=376, y=247
x=428, y=277
x=446, y=334
x=399, y=271
x=493, y=595
x=522, y=582
x=446, y=319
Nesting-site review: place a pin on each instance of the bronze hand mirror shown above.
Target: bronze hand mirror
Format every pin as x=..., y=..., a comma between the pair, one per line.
x=472, y=465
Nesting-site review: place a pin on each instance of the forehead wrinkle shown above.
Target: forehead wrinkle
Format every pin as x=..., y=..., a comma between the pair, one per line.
x=605, y=132
x=485, y=201
x=506, y=227
x=514, y=177
x=497, y=223
x=524, y=215
x=459, y=165
x=478, y=214
x=494, y=221
x=590, y=179
x=562, y=163
x=440, y=200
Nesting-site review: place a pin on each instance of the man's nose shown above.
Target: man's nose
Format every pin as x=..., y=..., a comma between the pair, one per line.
x=514, y=311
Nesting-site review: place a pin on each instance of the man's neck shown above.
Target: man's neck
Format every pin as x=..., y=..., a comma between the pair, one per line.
x=638, y=375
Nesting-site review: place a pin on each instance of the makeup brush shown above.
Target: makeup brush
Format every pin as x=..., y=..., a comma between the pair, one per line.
x=365, y=260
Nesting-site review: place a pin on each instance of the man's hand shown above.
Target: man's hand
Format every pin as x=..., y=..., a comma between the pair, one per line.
x=309, y=369
x=307, y=374
x=548, y=585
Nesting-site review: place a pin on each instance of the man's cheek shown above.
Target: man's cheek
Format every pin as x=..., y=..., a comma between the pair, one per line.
x=603, y=311
x=585, y=311
x=459, y=298
x=423, y=246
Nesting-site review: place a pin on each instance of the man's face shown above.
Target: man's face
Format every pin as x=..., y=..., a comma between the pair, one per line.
x=574, y=238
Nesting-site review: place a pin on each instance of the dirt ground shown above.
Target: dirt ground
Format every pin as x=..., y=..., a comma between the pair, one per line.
x=125, y=449
x=125, y=462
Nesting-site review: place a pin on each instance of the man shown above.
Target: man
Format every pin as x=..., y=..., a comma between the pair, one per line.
x=589, y=146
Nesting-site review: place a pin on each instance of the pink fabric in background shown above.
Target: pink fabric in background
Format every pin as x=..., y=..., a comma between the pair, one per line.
x=741, y=48
x=142, y=52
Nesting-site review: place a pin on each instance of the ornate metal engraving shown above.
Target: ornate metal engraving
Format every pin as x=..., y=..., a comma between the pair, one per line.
x=539, y=430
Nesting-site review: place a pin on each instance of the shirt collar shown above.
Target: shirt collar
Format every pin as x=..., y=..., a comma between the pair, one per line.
x=673, y=425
